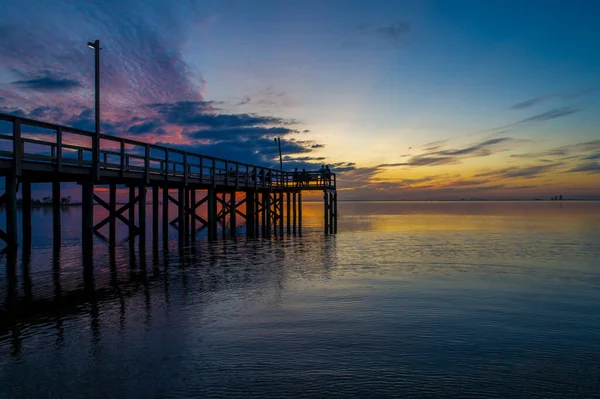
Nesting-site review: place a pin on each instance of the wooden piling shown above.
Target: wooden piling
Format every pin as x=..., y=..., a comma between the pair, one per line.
x=212, y=213
x=335, y=212
x=11, y=214
x=181, y=214
x=294, y=214
x=232, y=214
x=256, y=215
x=263, y=216
x=87, y=213
x=223, y=216
x=155, y=201
x=288, y=215
x=250, y=217
x=56, y=217
x=142, y=215
x=186, y=213
x=331, y=213
x=268, y=214
x=26, y=209
x=281, y=214
x=165, y=215
x=326, y=210
x=300, y=213
x=192, y=213
x=131, y=212
x=112, y=202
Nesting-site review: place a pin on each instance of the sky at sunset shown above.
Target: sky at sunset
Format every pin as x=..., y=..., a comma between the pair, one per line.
x=404, y=99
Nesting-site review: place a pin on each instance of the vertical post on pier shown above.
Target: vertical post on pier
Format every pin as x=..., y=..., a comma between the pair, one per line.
x=294, y=212
x=263, y=216
x=155, y=201
x=181, y=214
x=11, y=214
x=256, y=215
x=192, y=214
x=165, y=215
x=142, y=214
x=87, y=219
x=112, y=204
x=268, y=213
x=331, y=213
x=250, y=216
x=212, y=213
x=335, y=212
x=131, y=212
x=300, y=213
x=56, y=212
x=326, y=210
x=186, y=214
x=232, y=214
x=223, y=210
x=26, y=209
x=288, y=215
x=281, y=214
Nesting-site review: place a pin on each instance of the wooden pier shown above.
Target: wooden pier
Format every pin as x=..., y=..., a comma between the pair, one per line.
x=41, y=152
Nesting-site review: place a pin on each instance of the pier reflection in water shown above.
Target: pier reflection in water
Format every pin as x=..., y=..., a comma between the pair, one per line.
x=486, y=300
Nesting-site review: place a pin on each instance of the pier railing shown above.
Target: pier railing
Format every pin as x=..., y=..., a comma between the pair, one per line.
x=54, y=148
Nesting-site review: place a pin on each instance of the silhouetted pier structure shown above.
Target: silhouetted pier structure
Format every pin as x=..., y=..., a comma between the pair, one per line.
x=51, y=153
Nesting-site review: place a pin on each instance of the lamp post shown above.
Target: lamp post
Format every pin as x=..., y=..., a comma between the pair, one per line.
x=96, y=140
x=278, y=141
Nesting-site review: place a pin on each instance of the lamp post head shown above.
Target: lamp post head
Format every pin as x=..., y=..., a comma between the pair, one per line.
x=94, y=45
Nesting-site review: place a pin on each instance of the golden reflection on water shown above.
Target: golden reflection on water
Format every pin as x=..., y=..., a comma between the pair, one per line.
x=444, y=215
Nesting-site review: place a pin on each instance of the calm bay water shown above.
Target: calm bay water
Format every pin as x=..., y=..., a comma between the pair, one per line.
x=432, y=299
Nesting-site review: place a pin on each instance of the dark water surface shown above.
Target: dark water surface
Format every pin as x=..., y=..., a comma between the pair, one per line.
x=407, y=300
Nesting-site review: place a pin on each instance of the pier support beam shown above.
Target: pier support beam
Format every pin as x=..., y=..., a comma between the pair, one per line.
x=268, y=214
x=142, y=215
x=26, y=209
x=186, y=212
x=335, y=212
x=112, y=203
x=132, y=231
x=155, y=201
x=10, y=196
x=165, y=223
x=87, y=213
x=287, y=213
x=212, y=213
x=294, y=213
x=300, y=213
x=326, y=210
x=56, y=219
x=232, y=214
x=192, y=214
x=181, y=215
x=331, y=213
x=250, y=216
x=280, y=214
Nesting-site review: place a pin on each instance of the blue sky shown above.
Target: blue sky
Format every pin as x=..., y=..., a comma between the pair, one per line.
x=507, y=92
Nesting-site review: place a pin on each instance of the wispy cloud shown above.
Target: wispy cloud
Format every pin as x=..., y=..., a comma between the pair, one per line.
x=549, y=115
x=47, y=83
x=437, y=156
x=571, y=95
x=590, y=167
x=519, y=172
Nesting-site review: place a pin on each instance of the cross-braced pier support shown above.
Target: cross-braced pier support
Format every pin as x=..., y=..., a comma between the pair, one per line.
x=266, y=213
